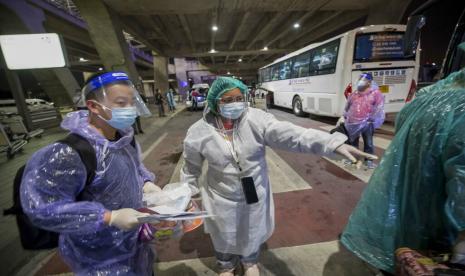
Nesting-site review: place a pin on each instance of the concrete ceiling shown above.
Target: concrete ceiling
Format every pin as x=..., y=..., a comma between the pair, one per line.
x=183, y=28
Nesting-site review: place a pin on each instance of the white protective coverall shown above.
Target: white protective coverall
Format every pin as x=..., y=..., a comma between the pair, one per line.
x=239, y=228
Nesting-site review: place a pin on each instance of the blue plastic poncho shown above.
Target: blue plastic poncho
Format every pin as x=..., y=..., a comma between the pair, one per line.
x=416, y=197
x=219, y=87
x=55, y=175
x=364, y=108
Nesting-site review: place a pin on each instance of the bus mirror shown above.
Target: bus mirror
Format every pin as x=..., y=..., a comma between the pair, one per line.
x=412, y=35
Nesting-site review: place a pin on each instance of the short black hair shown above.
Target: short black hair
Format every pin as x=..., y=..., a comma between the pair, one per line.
x=94, y=95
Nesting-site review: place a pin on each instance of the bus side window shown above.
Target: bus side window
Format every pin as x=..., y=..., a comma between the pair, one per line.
x=300, y=66
x=285, y=69
x=275, y=72
x=324, y=58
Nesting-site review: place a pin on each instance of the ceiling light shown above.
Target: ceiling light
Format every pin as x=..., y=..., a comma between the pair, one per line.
x=229, y=73
x=81, y=59
x=265, y=48
x=296, y=25
x=100, y=69
x=239, y=60
x=212, y=51
x=214, y=28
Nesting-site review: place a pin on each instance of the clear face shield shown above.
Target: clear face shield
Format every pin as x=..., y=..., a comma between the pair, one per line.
x=365, y=81
x=115, y=91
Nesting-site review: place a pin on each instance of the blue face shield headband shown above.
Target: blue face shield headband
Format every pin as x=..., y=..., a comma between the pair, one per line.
x=106, y=79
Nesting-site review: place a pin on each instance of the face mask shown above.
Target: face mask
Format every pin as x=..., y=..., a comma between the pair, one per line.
x=232, y=110
x=362, y=85
x=121, y=117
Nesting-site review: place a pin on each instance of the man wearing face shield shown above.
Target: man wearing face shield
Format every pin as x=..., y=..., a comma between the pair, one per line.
x=364, y=112
x=233, y=139
x=98, y=223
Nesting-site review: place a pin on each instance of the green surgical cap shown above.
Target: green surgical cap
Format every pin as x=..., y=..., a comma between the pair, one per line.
x=219, y=87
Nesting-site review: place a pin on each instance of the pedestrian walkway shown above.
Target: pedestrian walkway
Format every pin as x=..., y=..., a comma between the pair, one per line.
x=312, y=207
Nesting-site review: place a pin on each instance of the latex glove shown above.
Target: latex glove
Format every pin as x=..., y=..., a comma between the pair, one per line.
x=350, y=152
x=458, y=255
x=340, y=121
x=126, y=218
x=150, y=187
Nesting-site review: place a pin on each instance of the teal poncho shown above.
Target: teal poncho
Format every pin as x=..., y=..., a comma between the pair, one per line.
x=416, y=197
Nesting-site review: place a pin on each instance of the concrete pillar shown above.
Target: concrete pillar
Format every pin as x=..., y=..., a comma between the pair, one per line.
x=387, y=12
x=19, y=17
x=160, y=70
x=106, y=32
x=181, y=76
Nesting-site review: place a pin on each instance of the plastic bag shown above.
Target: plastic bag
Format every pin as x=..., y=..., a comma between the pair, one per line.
x=175, y=196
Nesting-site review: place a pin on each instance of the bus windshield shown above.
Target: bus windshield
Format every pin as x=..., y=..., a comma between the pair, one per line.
x=372, y=47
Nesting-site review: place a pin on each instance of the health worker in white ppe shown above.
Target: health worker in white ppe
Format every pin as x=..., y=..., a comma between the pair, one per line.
x=232, y=138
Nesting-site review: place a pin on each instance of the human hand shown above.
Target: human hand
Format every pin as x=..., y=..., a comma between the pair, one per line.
x=458, y=255
x=150, y=187
x=350, y=152
x=125, y=219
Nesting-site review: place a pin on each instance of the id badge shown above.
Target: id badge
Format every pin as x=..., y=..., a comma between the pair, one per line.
x=250, y=193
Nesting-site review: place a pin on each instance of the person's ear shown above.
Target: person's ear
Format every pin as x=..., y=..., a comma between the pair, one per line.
x=93, y=107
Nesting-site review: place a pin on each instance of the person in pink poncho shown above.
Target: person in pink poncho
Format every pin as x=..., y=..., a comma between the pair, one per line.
x=364, y=112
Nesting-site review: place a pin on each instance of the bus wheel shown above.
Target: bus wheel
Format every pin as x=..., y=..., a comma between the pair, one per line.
x=297, y=107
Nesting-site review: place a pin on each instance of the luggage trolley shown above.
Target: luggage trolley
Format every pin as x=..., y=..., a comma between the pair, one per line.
x=11, y=147
x=16, y=124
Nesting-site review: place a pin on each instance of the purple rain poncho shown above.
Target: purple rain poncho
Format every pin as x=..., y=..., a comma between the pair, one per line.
x=55, y=175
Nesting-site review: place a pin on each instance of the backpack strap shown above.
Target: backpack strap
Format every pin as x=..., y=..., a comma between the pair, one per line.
x=86, y=153
x=133, y=142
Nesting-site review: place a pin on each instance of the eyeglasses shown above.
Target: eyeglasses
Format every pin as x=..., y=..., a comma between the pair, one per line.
x=227, y=100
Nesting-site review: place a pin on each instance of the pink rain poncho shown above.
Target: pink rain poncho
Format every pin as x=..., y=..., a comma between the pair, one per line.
x=364, y=108
x=55, y=175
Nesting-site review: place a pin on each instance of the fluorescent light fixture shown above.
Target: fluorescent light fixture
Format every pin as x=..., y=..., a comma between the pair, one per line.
x=296, y=25
x=33, y=51
x=214, y=28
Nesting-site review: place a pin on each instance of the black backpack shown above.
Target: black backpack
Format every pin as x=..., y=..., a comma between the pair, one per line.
x=31, y=236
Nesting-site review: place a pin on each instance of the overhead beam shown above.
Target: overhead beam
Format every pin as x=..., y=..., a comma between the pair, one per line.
x=237, y=66
x=267, y=28
x=136, y=31
x=319, y=24
x=287, y=28
x=228, y=53
x=86, y=63
x=157, y=29
x=343, y=19
x=214, y=17
x=239, y=30
x=270, y=25
x=187, y=30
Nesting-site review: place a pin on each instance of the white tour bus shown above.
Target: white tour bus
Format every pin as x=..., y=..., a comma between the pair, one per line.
x=316, y=78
